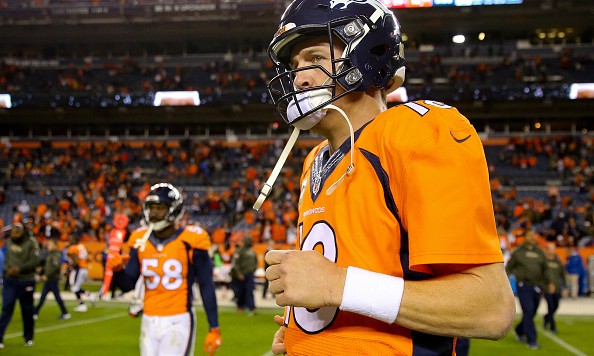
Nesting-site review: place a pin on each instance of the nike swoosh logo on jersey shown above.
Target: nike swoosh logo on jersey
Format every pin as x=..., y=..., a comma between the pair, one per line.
x=459, y=140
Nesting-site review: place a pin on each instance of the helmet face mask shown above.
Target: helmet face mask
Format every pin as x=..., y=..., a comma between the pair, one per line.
x=283, y=89
x=165, y=197
x=373, y=52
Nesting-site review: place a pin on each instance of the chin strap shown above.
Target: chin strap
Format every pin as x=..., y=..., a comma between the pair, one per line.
x=267, y=187
x=351, y=167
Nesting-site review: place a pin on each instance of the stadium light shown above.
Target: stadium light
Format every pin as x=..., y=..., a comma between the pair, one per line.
x=458, y=39
x=177, y=98
x=5, y=101
x=581, y=91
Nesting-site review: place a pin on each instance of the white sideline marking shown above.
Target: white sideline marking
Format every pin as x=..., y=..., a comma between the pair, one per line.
x=67, y=325
x=563, y=344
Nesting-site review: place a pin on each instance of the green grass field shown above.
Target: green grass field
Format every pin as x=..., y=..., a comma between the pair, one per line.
x=108, y=330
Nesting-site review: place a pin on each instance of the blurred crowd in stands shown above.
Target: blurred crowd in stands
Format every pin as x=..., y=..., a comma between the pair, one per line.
x=448, y=73
x=77, y=189
x=129, y=75
x=71, y=189
x=556, y=195
x=545, y=184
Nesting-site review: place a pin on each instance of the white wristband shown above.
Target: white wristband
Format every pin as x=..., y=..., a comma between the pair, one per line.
x=372, y=294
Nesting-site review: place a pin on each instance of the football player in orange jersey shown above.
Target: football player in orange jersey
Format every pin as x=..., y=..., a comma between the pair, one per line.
x=397, y=250
x=78, y=258
x=170, y=259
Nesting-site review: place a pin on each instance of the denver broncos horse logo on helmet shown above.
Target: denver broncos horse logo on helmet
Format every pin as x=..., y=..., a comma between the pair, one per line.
x=345, y=3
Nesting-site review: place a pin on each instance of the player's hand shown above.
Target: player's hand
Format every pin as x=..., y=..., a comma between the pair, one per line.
x=304, y=279
x=117, y=262
x=213, y=341
x=551, y=288
x=278, y=341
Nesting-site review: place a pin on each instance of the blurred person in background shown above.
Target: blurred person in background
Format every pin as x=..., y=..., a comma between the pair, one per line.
x=79, y=261
x=21, y=261
x=2, y=251
x=245, y=266
x=575, y=272
x=51, y=278
x=528, y=263
x=556, y=282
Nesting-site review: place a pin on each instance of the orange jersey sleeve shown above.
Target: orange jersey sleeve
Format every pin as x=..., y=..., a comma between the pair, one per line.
x=196, y=237
x=443, y=189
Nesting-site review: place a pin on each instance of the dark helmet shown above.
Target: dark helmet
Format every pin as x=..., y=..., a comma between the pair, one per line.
x=373, y=55
x=164, y=193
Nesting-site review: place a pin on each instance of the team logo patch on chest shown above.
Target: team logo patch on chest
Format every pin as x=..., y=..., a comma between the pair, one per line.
x=316, y=175
x=320, y=170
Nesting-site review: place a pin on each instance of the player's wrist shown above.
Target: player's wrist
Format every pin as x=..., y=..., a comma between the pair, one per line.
x=336, y=294
x=372, y=294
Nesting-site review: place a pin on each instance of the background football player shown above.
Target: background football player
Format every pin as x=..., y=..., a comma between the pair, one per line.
x=78, y=258
x=399, y=253
x=170, y=259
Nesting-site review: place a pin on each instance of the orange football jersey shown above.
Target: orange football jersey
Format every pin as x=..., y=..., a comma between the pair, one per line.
x=165, y=266
x=80, y=254
x=419, y=195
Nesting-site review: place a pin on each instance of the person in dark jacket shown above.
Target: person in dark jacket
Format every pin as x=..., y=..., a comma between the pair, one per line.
x=529, y=265
x=51, y=276
x=556, y=277
x=22, y=258
x=245, y=265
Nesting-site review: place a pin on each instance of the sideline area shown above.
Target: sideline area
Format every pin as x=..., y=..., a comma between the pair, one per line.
x=567, y=306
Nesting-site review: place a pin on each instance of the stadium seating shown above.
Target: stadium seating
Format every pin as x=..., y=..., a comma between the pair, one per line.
x=85, y=81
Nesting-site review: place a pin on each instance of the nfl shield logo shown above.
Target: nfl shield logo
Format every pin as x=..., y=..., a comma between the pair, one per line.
x=316, y=188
